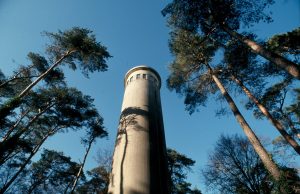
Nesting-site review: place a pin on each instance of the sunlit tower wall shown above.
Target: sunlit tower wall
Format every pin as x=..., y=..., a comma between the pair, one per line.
x=139, y=163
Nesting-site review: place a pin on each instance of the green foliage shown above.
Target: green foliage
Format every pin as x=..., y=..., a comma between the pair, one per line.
x=85, y=52
x=290, y=181
x=97, y=183
x=240, y=63
x=204, y=15
x=83, y=49
x=286, y=43
x=28, y=117
x=98, y=178
x=50, y=110
x=179, y=165
x=38, y=61
x=69, y=109
x=188, y=73
x=40, y=65
x=76, y=47
x=239, y=60
x=273, y=98
x=220, y=21
x=294, y=108
x=276, y=99
x=23, y=76
x=9, y=89
x=195, y=74
x=7, y=109
x=52, y=173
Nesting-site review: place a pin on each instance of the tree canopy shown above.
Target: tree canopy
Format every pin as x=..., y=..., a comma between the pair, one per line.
x=234, y=167
x=220, y=20
x=30, y=115
x=179, y=165
x=77, y=47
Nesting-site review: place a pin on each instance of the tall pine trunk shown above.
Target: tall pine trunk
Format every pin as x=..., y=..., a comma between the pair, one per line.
x=260, y=150
x=34, y=151
x=18, y=134
x=82, y=165
x=292, y=68
x=267, y=114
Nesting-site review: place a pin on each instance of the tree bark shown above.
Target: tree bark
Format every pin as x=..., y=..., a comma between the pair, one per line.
x=289, y=66
x=34, y=151
x=267, y=114
x=82, y=165
x=260, y=150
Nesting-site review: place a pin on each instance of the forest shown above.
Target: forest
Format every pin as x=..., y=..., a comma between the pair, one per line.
x=215, y=56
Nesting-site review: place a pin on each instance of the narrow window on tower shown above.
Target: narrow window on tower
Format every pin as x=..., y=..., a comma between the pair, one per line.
x=151, y=78
x=138, y=76
x=131, y=79
x=144, y=76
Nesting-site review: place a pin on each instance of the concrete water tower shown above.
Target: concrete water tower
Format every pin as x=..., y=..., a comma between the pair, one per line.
x=139, y=162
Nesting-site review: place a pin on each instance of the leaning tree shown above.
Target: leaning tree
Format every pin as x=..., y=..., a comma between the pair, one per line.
x=241, y=67
x=52, y=111
x=76, y=48
x=193, y=76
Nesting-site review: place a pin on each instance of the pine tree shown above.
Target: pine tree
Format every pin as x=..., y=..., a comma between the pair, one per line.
x=221, y=20
x=193, y=76
x=77, y=48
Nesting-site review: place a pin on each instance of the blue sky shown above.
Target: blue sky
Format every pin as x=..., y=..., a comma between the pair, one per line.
x=135, y=33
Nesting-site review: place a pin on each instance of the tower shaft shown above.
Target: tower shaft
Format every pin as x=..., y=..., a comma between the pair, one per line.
x=139, y=161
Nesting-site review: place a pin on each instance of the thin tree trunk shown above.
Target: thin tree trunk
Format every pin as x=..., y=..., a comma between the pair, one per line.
x=68, y=186
x=260, y=150
x=264, y=110
x=34, y=151
x=33, y=120
x=289, y=66
x=14, y=126
x=43, y=75
x=247, y=176
x=10, y=156
x=291, y=124
x=16, y=77
x=33, y=187
x=82, y=165
x=12, y=142
x=6, y=109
